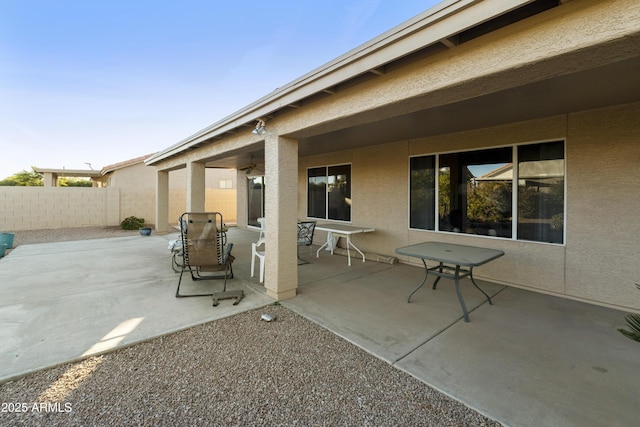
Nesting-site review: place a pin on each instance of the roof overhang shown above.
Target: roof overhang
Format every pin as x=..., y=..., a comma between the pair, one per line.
x=74, y=173
x=438, y=27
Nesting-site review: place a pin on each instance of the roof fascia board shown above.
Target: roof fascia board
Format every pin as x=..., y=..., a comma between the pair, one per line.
x=435, y=24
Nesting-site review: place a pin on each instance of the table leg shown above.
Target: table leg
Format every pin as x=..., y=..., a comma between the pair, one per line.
x=462, y=304
x=323, y=246
x=436, y=282
x=479, y=288
x=355, y=247
x=348, y=252
x=426, y=274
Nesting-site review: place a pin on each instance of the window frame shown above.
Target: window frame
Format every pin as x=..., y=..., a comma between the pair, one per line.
x=514, y=186
x=326, y=167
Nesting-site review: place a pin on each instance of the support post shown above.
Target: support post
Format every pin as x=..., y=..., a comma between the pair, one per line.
x=162, y=202
x=281, y=214
x=195, y=187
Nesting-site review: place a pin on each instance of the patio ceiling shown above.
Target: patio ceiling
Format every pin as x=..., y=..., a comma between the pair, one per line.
x=611, y=84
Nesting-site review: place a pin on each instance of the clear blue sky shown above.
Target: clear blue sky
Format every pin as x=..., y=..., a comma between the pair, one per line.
x=110, y=80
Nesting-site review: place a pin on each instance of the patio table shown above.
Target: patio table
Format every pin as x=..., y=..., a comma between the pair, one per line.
x=342, y=230
x=451, y=258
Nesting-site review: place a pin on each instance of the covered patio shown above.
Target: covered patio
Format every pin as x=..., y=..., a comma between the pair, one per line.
x=528, y=357
x=387, y=136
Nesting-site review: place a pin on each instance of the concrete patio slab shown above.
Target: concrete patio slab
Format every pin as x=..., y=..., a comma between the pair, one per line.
x=368, y=306
x=63, y=301
x=529, y=359
x=534, y=359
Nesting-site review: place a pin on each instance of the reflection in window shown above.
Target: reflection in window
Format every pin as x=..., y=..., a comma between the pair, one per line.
x=329, y=192
x=255, y=198
x=541, y=192
x=339, y=190
x=422, y=192
x=317, y=192
x=475, y=192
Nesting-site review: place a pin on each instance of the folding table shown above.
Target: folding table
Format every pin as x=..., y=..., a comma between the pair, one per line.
x=342, y=230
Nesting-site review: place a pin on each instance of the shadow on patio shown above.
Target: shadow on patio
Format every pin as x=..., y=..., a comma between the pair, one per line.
x=527, y=359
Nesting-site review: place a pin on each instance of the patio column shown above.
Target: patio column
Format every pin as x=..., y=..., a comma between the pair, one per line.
x=281, y=213
x=162, y=202
x=50, y=179
x=195, y=187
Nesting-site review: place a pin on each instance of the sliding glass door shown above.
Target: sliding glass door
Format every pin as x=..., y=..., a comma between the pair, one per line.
x=255, y=199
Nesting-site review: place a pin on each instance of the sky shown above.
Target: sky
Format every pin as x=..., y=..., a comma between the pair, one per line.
x=105, y=81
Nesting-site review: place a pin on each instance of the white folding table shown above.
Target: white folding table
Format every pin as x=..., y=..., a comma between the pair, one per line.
x=342, y=230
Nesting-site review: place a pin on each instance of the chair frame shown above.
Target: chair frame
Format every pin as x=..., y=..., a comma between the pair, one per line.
x=255, y=253
x=192, y=259
x=306, y=229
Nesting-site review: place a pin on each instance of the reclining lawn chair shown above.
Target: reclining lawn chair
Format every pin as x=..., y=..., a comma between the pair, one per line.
x=205, y=253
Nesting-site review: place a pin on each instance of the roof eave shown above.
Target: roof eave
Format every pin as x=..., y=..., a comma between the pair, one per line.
x=364, y=58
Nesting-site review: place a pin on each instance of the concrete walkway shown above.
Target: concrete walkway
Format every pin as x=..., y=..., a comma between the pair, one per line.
x=529, y=359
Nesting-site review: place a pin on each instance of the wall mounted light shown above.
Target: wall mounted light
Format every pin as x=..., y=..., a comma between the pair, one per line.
x=260, y=128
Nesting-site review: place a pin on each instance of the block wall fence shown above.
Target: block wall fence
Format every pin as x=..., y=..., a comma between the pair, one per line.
x=33, y=208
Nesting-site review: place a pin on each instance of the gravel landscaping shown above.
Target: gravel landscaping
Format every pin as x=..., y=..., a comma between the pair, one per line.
x=237, y=371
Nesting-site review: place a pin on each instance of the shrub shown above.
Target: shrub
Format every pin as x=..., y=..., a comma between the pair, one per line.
x=132, y=223
x=633, y=322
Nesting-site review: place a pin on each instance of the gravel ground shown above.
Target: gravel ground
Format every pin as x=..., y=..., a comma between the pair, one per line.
x=237, y=371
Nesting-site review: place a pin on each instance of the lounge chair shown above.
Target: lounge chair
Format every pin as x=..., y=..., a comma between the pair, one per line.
x=205, y=253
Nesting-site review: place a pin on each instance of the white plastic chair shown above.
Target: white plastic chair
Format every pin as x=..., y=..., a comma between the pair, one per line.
x=256, y=253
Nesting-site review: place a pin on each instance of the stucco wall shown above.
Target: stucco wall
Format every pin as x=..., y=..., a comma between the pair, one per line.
x=29, y=208
x=130, y=192
x=216, y=200
x=599, y=261
x=603, y=242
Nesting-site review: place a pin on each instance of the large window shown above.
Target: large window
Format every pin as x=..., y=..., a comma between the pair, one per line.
x=329, y=192
x=473, y=192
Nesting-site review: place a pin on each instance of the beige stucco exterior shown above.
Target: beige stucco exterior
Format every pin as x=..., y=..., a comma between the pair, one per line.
x=598, y=261
x=137, y=184
x=126, y=189
x=32, y=208
x=430, y=86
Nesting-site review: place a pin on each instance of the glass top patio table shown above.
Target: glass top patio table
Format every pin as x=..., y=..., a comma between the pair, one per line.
x=456, y=256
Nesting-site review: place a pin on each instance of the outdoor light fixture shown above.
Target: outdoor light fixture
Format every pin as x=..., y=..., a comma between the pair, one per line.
x=260, y=128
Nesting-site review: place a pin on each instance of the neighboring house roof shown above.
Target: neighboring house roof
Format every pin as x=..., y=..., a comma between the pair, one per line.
x=91, y=173
x=110, y=168
x=76, y=173
x=526, y=170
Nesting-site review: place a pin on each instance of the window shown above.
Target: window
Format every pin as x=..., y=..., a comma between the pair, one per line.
x=541, y=192
x=226, y=183
x=329, y=192
x=423, y=192
x=474, y=192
